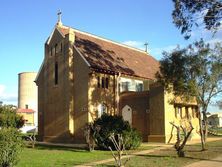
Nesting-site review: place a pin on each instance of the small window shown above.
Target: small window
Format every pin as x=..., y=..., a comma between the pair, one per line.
x=187, y=112
x=180, y=112
x=98, y=82
x=61, y=47
x=55, y=49
x=56, y=73
x=139, y=87
x=102, y=108
x=26, y=106
x=103, y=82
x=107, y=83
x=176, y=111
x=193, y=112
x=125, y=86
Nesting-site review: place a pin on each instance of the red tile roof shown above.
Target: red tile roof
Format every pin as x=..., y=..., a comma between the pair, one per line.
x=21, y=110
x=107, y=55
x=64, y=30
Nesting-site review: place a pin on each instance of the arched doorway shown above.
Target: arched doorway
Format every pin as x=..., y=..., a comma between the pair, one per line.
x=127, y=114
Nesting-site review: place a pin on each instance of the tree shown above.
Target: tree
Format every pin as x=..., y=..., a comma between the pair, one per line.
x=195, y=71
x=10, y=146
x=90, y=131
x=10, y=138
x=188, y=13
x=9, y=117
x=108, y=125
x=119, y=145
x=186, y=134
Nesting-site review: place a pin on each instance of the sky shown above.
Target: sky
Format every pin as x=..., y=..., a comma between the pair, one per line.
x=25, y=25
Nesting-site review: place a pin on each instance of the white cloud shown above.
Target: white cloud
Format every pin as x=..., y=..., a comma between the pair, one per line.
x=135, y=44
x=157, y=52
x=6, y=97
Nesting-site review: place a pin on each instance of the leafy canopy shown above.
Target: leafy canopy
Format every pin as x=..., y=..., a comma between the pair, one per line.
x=10, y=146
x=113, y=125
x=193, y=71
x=188, y=13
x=9, y=117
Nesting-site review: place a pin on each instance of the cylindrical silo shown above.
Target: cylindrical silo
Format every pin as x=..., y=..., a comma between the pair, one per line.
x=27, y=92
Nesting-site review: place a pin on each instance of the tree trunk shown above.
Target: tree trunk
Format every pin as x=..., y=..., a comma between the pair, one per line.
x=201, y=131
x=180, y=153
x=179, y=147
x=205, y=129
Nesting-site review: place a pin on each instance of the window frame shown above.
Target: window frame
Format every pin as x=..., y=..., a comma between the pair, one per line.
x=56, y=73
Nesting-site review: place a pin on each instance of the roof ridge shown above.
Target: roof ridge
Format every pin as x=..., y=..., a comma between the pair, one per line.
x=107, y=40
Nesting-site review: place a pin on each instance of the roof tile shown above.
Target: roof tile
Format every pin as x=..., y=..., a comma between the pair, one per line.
x=22, y=110
x=107, y=55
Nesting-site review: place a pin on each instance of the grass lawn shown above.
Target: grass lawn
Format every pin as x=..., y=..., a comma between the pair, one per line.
x=46, y=156
x=168, y=157
x=54, y=156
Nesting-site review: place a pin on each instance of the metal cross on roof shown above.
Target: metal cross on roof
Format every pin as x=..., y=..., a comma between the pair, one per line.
x=59, y=16
x=146, y=46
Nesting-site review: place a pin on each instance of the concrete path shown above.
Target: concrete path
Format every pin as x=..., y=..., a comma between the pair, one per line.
x=216, y=162
x=127, y=156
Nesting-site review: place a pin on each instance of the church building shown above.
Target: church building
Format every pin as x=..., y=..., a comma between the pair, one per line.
x=83, y=76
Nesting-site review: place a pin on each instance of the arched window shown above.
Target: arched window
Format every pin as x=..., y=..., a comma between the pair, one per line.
x=56, y=73
x=102, y=108
x=98, y=82
x=56, y=48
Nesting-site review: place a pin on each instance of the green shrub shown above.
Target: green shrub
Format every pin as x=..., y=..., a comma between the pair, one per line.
x=9, y=117
x=132, y=138
x=10, y=146
x=109, y=125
